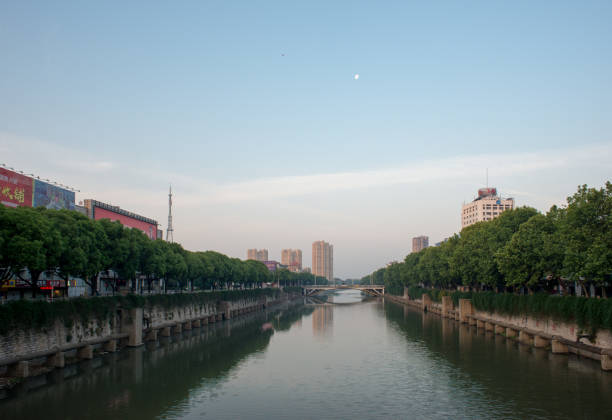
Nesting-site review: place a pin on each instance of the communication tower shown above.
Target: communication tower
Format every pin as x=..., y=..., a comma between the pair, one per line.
x=169, y=231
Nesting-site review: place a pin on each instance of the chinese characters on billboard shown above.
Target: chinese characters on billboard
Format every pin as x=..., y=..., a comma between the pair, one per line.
x=15, y=189
x=484, y=192
x=52, y=197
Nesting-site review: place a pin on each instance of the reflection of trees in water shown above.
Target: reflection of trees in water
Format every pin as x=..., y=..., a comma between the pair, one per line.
x=286, y=319
x=145, y=382
x=518, y=378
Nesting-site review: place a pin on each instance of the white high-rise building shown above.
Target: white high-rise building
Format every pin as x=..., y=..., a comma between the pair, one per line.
x=487, y=206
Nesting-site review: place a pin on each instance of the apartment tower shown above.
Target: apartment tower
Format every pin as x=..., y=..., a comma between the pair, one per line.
x=257, y=254
x=419, y=243
x=292, y=258
x=323, y=260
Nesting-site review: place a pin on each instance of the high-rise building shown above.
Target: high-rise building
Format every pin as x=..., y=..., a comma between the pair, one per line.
x=257, y=254
x=419, y=243
x=487, y=206
x=323, y=260
x=292, y=258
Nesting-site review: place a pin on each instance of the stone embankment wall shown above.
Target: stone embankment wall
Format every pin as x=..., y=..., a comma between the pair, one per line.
x=559, y=337
x=35, y=351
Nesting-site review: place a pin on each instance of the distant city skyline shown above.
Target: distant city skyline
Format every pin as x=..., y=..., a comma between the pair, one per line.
x=269, y=140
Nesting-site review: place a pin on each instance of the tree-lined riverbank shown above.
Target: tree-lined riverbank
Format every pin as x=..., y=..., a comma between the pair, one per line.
x=67, y=244
x=566, y=251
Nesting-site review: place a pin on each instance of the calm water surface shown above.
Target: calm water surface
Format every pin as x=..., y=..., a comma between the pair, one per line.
x=348, y=360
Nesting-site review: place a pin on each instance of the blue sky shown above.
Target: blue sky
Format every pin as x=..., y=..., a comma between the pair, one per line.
x=251, y=110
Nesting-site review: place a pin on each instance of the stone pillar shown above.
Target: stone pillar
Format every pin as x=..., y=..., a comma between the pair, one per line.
x=472, y=321
x=480, y=324
x=525, y=338
x=606, y=362
x=178, y=328
x=187, y=326
x=447, y=306
x=425, y=301
x=219, y=317
x=85, y=352
x=19, y=370
x=510, y=333
x=212, y=319
x=166, y=332
x=224, y=310
x=195, y=323
x=540, y=342
x=465, y=309
x=489, y=326
x=110, y=346
x=131, y=323
x=204, y=320
x=56, y=360
x=406, y=295
x=558, y=347
x=151, y=336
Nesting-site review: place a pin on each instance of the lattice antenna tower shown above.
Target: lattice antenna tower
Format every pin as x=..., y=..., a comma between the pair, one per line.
x=170, y=231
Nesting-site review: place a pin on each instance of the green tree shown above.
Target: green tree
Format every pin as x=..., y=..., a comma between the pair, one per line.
x=534, y=253
x=586, y=228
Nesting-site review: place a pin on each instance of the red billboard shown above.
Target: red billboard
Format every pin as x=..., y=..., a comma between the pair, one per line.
x=15, y=189
x=484, y=192
x=149, y=227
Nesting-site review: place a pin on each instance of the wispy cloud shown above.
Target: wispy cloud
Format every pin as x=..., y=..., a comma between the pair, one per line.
x=456, y=168
x=95, y=175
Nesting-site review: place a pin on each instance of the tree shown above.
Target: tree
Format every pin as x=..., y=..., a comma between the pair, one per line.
x=175, y=264
x=534, y=253
x=196, y=269
x=586, y=228
x=29, y=242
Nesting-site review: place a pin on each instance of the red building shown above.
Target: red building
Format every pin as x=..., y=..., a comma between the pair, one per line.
x=98, y=210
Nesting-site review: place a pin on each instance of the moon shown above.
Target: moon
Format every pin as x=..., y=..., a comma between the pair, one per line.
x=356, y=77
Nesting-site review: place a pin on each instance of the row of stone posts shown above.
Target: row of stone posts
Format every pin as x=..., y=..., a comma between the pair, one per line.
x=465, y=315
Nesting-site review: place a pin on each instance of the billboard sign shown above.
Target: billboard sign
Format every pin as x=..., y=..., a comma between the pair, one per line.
x=484, y=192
x=149, y=228
x=15, y=189
x=52, y=196
x=272, y=265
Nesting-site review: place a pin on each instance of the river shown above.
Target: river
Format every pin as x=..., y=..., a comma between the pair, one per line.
x=352, y=359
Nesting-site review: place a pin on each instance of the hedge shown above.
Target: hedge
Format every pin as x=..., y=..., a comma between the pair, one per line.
x=586, y=312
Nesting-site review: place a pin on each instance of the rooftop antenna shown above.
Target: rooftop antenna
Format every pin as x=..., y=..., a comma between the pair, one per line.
x=169, y=230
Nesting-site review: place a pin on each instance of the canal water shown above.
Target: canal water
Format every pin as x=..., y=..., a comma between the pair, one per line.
x=353, y=358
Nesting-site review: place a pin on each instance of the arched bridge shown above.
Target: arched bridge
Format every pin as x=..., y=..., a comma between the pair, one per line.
x=370, y=289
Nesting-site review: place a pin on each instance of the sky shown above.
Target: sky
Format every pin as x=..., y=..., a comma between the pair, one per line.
x=251, y=110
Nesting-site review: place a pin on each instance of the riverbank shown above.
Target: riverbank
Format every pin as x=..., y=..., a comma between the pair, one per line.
x=34, y=351
x=545, y=333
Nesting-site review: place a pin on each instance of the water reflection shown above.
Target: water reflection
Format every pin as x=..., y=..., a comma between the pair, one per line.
x=322, y=320
x=518, y=380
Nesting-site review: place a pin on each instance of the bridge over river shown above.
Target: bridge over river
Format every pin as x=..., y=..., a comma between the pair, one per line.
x=370, y=289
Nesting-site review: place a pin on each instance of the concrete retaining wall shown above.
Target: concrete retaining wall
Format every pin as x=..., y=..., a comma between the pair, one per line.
x=127, y=327
x=559, y=337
